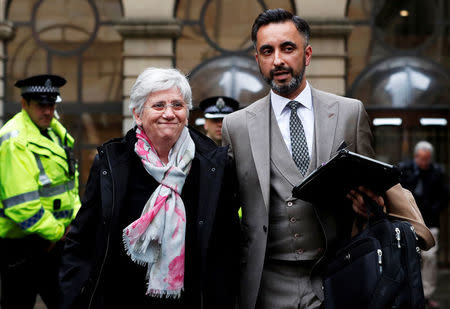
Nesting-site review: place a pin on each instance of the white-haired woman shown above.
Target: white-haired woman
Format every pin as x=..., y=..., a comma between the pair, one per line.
x=158, y=227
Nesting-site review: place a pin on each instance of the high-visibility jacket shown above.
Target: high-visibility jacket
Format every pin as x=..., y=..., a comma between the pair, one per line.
x=38, y=195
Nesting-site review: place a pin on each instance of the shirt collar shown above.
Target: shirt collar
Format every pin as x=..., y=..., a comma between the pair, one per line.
x=279, y=102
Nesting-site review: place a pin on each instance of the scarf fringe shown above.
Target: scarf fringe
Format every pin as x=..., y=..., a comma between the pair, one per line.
x=164, y=293
x=132, y=255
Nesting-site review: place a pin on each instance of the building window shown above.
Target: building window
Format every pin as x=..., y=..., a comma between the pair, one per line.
x=406, y=24
x=403, y=82
x=74, y=39
x=215, y=47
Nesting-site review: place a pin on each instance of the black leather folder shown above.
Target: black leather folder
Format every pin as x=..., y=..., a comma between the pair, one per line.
x=345, y=171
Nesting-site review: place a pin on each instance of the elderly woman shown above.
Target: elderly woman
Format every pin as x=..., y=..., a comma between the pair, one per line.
x=158, y=227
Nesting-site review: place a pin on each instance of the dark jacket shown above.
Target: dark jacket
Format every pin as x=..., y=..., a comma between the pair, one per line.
x=88, y=243
x=428, y=188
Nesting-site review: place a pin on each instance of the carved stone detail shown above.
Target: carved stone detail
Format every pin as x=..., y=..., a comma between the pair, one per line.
x=6, y=30
x=148, y=28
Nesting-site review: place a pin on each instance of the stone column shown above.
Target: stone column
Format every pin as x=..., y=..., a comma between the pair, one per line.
x=6, y=33
x=147, y=42
x=329, y=32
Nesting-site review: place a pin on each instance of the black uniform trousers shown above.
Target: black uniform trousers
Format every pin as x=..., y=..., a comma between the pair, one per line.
x=28, y=269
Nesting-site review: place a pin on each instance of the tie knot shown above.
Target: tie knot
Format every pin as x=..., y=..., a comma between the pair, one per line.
x=294, y=105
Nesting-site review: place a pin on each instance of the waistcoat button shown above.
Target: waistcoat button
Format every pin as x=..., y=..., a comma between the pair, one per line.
x=292, y=220
x=289, y=204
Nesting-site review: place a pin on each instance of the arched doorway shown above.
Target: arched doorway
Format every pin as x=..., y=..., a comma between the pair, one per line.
x=408, y=100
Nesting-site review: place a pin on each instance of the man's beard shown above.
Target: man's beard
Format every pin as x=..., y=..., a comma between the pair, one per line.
x=293, y=84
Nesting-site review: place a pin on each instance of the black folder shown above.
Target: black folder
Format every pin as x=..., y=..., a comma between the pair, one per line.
x=345, y=171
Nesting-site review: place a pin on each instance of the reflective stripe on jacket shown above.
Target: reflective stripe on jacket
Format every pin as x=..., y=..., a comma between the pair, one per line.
x=37, y=194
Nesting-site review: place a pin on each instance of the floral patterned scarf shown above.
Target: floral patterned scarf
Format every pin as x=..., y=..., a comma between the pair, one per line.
x=157, y=238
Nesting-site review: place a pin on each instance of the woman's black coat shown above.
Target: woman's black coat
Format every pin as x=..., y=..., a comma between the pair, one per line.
x=217, y=227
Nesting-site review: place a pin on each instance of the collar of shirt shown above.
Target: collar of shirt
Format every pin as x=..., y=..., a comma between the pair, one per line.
x=279, y=103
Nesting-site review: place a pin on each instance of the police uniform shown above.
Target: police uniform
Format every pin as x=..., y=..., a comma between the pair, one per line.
x=214, y=109
x=38, y=197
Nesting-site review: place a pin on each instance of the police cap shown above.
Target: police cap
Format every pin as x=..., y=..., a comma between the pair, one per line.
x=41, y=88
x=218, y=107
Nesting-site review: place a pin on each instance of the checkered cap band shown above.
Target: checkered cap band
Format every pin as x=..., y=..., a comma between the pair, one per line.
x=39, y=89
x=214, y=109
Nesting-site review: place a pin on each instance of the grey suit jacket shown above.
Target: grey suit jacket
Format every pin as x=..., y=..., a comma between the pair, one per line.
x=336, y=119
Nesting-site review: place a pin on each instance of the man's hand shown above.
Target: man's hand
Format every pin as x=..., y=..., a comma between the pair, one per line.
x=65, y=233
x=358, y=204
x=53, y=244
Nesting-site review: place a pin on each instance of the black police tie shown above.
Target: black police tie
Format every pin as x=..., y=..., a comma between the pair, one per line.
x=299, y=146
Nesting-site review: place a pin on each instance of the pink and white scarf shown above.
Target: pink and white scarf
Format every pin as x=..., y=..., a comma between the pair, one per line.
x=156, y=239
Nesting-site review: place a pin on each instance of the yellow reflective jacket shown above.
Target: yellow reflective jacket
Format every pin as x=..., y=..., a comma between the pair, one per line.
x=37, y=193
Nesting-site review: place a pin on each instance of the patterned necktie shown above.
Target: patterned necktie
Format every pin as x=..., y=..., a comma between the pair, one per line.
x=299, y=146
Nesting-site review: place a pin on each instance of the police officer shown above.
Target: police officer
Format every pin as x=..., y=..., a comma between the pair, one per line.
x=214, y=109
x=38, y=195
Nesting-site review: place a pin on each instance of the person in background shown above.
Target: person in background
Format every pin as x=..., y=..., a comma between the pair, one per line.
x=276, y=142
x=38, y=195
x=159, y=226
x=426, y=180
x=214, y=109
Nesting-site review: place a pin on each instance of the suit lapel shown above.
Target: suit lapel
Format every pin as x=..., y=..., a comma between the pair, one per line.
x=258, y=130
x=325, y=121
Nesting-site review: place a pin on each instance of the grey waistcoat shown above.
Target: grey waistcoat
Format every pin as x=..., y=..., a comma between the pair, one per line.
x=294, y=231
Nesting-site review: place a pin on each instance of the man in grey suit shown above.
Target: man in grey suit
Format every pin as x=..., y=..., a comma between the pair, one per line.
x=276, y=142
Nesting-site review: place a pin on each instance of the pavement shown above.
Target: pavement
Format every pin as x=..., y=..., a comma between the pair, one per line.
x=442, y=294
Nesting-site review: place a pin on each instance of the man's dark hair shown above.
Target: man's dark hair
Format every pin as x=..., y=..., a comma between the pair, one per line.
x=280, y=16
x=27, y=97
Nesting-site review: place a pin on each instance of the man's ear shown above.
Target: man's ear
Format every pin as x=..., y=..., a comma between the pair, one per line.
x=24, y=103
x=308, y=54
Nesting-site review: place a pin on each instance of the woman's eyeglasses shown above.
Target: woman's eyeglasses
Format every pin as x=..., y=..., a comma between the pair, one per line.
x=159, y=107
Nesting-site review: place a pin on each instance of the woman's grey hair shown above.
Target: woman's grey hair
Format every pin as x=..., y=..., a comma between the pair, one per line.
x=424, y=145
x=158, y=79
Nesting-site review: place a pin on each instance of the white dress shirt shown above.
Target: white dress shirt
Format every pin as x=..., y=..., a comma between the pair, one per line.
x=305, y=112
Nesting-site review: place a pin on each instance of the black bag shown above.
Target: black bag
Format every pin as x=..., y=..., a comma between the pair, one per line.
x=378, y=268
